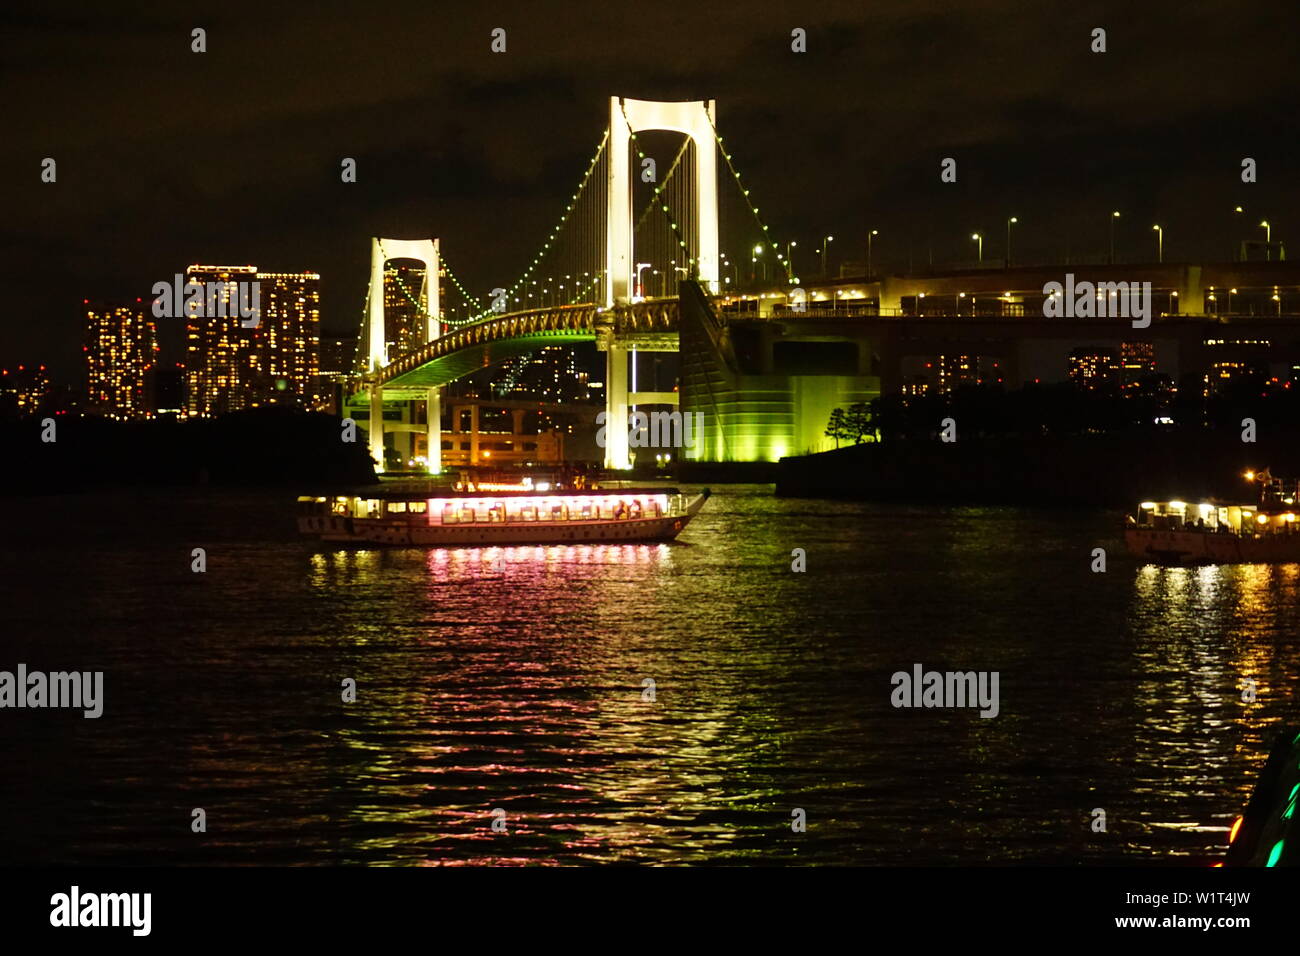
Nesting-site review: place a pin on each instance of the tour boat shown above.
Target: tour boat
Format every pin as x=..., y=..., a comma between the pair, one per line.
x=500, y=516
x=1219, y=532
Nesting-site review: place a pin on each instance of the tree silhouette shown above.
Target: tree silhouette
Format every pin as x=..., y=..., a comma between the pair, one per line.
x=837, y=427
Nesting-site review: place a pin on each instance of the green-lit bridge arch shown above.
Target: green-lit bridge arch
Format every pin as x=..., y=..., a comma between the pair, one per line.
x=650, y=325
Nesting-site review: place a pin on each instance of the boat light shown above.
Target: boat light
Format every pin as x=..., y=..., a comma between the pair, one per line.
x=1178, y=505
x=1288, y=518
x=543, y=486
x=1232, y=835
x=1205, y=509
x=1148, y=505
x=1250, y=476
x=1262, y=519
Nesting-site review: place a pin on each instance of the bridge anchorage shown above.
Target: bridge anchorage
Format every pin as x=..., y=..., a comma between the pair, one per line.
x=604, y=303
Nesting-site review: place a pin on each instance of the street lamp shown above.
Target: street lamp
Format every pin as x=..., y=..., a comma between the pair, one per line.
x=1010, y=221
x=758, y=257
x=873, y=232
x=824, y=242
x=1160, y=244
x=1113, y=217
x=788, y=247
x=640, y=289
x=1268, y=238
x=980, y=239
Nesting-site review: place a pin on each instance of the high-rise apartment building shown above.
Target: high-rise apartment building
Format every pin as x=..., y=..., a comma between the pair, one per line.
x=406, y=300
x=289, y=337
x=268, y=357
x=121, y=346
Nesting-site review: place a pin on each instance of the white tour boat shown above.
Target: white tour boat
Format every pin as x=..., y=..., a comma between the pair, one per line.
x=1219, y=532
x=500, y=517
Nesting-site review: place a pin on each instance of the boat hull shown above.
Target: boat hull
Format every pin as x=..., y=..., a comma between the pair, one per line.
x=390, y=531
x=1209, y=547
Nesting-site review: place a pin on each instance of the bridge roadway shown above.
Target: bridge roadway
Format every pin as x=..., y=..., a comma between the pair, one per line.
x=653, y=325
x=649, y=326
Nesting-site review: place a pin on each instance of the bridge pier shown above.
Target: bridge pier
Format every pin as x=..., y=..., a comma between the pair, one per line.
x=433, y=416
x=616, y=425
x=376, y=430
x=473, y=434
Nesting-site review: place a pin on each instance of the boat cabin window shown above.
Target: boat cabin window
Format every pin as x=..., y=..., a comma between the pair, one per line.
x=497, y=512
x=559, y=513
x=417, y=507
x=396, y=507
x=449, y=514
x=528, y=513
x=467, y=515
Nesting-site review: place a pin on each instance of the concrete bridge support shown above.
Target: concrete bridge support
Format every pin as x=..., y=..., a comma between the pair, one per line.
x=375, y=433
x=428, y=252
x=1191, y=297
x=433, y=416
x=616, y=395
x=694, y=119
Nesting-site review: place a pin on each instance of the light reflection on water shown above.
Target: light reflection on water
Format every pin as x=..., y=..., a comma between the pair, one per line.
x=512, y=678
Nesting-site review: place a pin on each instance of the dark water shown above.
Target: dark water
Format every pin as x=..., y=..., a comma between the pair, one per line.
x=518, y=685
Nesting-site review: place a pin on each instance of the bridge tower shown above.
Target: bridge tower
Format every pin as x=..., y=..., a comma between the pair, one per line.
x=696, y=119
x=426, y=251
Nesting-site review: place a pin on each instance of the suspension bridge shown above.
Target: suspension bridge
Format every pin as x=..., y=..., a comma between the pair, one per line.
x=588, y=282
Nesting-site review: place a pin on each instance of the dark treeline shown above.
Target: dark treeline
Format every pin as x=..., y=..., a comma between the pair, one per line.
x=1055, y=445
x=264, y=446
x=1060, y=409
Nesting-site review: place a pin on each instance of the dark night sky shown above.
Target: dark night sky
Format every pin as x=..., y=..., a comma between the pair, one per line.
x=166, y=157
